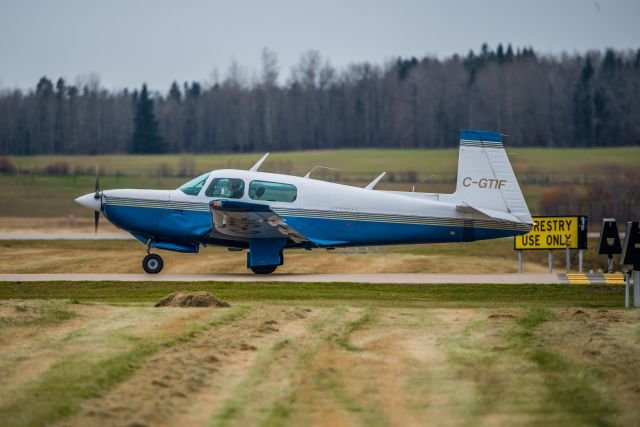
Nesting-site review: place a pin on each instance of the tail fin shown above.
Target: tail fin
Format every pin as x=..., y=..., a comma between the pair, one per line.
x=486, y=181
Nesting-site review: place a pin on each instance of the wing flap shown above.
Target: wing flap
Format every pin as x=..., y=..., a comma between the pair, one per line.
x=244, y=221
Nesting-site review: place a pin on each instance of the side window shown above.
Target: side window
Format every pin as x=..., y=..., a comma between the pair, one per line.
x=230, y=188
x=272, y=191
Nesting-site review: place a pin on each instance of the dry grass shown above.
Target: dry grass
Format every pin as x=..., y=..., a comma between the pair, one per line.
x=319, y=364
x=126, y=257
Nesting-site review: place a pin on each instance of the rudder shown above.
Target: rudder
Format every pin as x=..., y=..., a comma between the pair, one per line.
x=485, y=177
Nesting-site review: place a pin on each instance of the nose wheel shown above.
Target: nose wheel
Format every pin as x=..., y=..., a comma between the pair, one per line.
x=152, y=263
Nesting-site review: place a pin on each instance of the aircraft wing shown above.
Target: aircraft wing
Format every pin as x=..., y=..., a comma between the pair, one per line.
x=244, y=221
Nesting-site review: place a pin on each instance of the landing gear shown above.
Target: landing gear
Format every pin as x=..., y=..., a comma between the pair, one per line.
x=264, y=269
x=152, y=263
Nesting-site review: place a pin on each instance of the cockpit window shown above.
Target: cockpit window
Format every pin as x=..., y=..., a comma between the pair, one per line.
x=230, y=188
x=193, y=187
x=272, y=191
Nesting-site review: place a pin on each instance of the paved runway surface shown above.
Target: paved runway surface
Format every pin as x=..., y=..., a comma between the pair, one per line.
x=65, y=236
x=353, y=278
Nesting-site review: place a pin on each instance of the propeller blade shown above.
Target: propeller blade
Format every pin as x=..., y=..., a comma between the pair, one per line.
x=97, y=182
x=96, y=220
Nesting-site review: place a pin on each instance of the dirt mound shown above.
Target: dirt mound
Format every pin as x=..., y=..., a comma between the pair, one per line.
x=191, y=299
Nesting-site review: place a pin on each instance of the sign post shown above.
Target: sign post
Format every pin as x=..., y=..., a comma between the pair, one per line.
x=555, y=232
x=631, y=255
x=580, y=260
x=627, y=279
x=520, y=267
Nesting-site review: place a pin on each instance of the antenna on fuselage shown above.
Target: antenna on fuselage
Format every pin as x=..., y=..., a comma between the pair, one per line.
x=320, y=167
x=413, y=189
x=374, y=182
x=255, y=167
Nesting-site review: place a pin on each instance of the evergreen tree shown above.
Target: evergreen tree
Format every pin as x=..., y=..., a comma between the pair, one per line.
x=174, y=92
x=583, y=108
x=146, y=136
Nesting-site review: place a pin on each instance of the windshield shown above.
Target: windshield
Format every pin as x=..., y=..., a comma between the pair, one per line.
x=193, y=187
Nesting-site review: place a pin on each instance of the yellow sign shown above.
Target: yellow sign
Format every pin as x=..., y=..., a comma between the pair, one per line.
x=554, y=232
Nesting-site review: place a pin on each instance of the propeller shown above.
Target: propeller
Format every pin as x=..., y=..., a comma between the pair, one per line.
x=97, y=195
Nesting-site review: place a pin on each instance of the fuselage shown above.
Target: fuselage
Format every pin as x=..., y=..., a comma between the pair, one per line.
x=325, y=213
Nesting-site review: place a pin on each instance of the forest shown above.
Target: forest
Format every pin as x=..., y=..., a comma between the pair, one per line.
x=538, y=100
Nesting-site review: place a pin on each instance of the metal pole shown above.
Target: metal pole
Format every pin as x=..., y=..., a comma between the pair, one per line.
x=610, y=264
x=550, y=261
x=580, y=261
x=568, y=257
x=520, y=261
x=636, y=288
x=627, y=277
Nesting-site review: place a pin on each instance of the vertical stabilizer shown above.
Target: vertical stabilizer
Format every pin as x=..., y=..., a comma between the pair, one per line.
x=485, y=177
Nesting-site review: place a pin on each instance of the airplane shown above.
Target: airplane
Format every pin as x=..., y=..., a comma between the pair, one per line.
x=266, y=213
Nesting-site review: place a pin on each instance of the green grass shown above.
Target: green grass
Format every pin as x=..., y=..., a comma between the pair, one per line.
x=536, y=168
x=351, y=162
x=415, y=295
x=46, y=315
x=329, y=379
x=58, y=392
x=570, y=386
x=233, y=407
x=343, y=339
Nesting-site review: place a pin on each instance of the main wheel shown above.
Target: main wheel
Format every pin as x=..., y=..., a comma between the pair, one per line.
x=264, y=269
x=152, y=263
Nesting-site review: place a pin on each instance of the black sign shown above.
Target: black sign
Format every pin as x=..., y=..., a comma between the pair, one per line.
x=609, y=243
x=583, y=221
x=631, y=249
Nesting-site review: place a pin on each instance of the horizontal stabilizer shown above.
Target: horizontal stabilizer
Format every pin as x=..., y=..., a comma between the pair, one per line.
x=499, y=215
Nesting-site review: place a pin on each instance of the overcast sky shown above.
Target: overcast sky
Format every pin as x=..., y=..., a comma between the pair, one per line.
x=128, y=42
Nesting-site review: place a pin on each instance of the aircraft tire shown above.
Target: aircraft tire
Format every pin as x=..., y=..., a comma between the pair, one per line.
x=152, y=263
x=264, y=269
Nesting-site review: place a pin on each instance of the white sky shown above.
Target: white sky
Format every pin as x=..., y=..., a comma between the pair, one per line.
x=128, y=42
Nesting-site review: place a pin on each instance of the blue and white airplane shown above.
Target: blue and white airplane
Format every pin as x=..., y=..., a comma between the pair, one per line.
x=267, y=213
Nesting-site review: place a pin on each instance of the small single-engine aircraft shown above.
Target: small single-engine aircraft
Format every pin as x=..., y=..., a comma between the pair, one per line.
x=267, y=213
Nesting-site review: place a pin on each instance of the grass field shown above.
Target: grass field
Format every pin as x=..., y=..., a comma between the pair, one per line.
x=35, y=194
x=118, y=256
x=77, y=354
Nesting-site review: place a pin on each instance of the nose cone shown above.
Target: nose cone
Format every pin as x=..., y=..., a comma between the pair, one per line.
x=89, y=201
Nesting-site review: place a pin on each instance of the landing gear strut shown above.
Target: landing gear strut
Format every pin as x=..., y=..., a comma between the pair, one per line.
x=152, y=263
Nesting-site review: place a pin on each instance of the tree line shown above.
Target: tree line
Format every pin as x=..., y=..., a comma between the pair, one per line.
x=581, y=99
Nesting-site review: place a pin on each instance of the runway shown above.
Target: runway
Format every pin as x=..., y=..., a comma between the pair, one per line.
x=406, y=278
x=66, y=236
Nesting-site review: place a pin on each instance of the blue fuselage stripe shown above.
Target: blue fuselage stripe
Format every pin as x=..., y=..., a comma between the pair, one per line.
x=194, y=226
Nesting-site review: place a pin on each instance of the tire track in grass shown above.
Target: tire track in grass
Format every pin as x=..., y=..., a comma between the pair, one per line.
x=269, y=392
x=571, y=388
x=58, y=392
x=327, y=376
